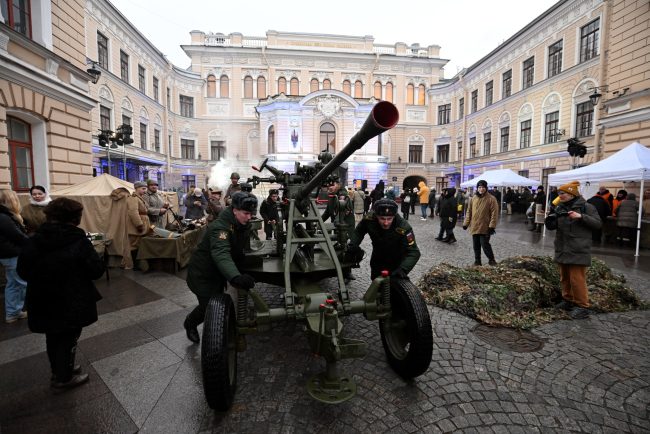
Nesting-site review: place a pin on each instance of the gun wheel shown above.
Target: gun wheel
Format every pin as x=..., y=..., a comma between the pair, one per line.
x=407, y=336
x=219, y=353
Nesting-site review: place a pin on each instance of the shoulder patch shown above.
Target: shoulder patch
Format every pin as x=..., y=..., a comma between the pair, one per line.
x=410, y=238
x=223, y=235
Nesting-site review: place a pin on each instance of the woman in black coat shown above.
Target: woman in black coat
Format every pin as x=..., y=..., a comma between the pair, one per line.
x=59, y=265
x=448, y=212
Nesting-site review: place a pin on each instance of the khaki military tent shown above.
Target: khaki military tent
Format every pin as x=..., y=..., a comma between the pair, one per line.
x=103, y=213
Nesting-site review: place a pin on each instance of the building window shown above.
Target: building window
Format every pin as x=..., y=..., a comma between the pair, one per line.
x=155, y=89
x=282, y=85
x=555, y=59
x=156, y=140
x=261, y=87
x=328, y=137
x=293, y=87
x=472, y=148
x=212, y=86
x=415, y=153
x=217, y=150
x=487, y=143
x=170, y=147
x=124, y=66
x=525, y=173
x=17, y=14
x=524, y=139
x=444, y=114
x=102, y=51
x=461, y=108
x=380, y=143
x=460, y=150
x=327, y=84
x=529, y=72
x=313, y=85
x=142, y=79
x=224, y=86
x=187, y=149
x=474, y=101
x=489, y=88
x=188, y=181
x=506, y=86
x=589, y=35
x=545, y=173
x=551, y=134
x=347, y=87
x=358, y=89
x=421, y=94
x=126, y=120
x=377, y=90
x=584, y=119
x=271, y=140
x=389, y=92
x=19, y=134
x=169, y=99
x=143, y=135
x=186, y=105
x=505, y=138
x=248, y=87
x=104, y=118
x=410, y=90
x=443, y=154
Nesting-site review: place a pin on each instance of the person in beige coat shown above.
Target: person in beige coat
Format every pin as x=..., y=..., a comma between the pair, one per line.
x=481, y=217
x=137, y=222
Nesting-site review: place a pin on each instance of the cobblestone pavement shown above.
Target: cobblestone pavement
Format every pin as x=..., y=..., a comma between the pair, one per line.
x=591, y=375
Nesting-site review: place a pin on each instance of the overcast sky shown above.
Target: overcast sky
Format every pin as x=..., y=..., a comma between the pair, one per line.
x=466, y=30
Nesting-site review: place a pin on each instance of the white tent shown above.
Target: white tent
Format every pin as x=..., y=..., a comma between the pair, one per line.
x=501, y=178
x=631, y=163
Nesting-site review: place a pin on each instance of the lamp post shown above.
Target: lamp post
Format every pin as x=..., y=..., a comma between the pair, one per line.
x=577, y=150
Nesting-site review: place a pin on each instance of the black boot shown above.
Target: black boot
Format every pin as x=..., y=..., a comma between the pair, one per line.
x=451, y=240
x=191, y=332
x=134, y=255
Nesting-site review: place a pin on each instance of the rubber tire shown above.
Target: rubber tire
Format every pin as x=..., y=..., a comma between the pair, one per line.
x=407, y=305
x=219, y=353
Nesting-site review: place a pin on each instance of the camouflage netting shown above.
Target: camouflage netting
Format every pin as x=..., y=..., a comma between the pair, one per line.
x=521, y=291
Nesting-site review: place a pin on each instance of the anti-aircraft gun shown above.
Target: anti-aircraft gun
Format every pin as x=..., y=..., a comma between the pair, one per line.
x=304, y=253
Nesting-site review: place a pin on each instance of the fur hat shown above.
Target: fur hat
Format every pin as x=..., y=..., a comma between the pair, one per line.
x=198, y=192
x=572, y=188
x=482, y=183
x=138, y=184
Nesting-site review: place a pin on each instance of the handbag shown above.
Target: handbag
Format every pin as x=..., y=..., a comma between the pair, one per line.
x=407, y=199
x=459, y=207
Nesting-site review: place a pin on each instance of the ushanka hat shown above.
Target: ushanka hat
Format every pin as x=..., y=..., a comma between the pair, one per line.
x=138, y=184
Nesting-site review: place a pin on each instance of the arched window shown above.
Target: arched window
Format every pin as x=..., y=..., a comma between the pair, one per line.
x=271, y=140
x=212, y=86
x=421, y=93
x=347, y=87
x=261, y=87
x=377, y=93
x=293, y=90
x=224, y=87
x=19, y=134
x=358, y=89
x=409, y=94
x=282, y=85
x=389, y=92
x=328, y=137
x=313, y=85
x=248, y=87
x=327, y=84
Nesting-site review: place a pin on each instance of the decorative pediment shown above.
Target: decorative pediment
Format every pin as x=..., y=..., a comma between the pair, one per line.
x=552, y=101
x=487, y=125
x=105, y=94
x=504, y=119
x=526, y=111
x=328, y=106
x=127, y=106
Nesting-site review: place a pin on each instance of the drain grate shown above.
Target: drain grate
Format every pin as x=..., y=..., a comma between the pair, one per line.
x=520, y=341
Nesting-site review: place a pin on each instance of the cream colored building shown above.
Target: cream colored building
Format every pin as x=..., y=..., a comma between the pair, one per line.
x=45, y=104
x=286, y=96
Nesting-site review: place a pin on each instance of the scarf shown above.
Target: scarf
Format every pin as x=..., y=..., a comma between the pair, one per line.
x=44, y=202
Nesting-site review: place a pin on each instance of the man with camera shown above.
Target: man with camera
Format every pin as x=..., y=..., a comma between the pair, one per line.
x=214, y=262
x=393, y=243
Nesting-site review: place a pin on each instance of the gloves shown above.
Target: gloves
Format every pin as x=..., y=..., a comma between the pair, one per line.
x=354, y=253
x=243, y=281
x=465, y=227
x=491, y=231
x=399, y=274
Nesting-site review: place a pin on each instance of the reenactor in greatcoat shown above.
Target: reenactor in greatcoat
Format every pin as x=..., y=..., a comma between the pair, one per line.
x=157, y=205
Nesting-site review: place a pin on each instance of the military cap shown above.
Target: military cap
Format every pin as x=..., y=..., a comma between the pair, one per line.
x=152, y=182
x=234, y=175
x=138, y=184
x=385, y=207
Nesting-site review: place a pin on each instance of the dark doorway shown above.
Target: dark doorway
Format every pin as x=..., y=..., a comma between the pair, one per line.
x=412, y=181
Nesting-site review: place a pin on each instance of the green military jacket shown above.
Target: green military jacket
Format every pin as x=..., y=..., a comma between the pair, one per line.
x=333, y=205
x=392, y=248
x=214, y=262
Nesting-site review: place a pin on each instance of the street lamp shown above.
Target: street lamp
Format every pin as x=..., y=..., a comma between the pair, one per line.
x=112, y=140
x=595, y=97
x=577, y=150
x=93, y=71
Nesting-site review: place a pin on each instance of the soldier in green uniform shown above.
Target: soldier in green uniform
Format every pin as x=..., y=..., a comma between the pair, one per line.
x=214, y=262
x=393, y=244
x=340, y=210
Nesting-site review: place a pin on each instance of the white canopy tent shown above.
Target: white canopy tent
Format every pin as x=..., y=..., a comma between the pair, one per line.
x=501, y=178
x=631, y=163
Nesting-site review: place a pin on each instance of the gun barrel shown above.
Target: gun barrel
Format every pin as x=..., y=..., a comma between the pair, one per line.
x=382, y=117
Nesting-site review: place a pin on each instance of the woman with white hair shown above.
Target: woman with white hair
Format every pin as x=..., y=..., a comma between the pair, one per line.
x=12, y=240
x=196, y=205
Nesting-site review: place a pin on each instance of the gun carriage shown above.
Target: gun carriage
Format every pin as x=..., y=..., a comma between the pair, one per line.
x=306, y=251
